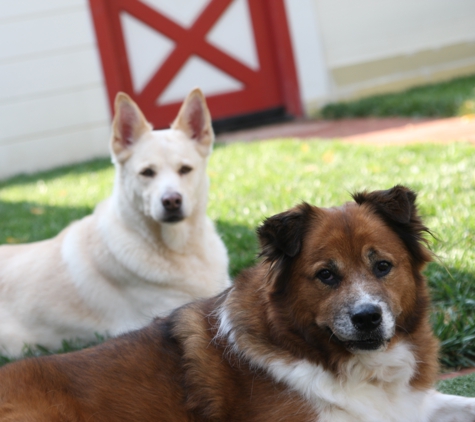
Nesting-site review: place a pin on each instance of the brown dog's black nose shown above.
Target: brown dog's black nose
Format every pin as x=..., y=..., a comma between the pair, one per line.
x=367, y=317
x=172, y=201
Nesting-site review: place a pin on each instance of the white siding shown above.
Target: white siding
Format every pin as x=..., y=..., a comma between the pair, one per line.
x=364, y=30
x=21, y=8
x=370, y=46
x=307, y=45
x=47, y=151
x=53, y=104
x=53, y=108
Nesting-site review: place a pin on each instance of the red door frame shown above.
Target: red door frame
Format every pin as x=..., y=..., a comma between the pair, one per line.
x=116, y=68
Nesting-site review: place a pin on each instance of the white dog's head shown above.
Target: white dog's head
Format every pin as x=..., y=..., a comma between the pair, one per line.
x=163, y=172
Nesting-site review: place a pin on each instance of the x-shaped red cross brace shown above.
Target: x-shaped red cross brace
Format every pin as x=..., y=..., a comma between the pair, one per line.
x=189, y=41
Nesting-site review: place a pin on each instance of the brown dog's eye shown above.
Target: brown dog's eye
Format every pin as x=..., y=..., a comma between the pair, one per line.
x=184, y=170
x=148, y=172
x=327, y=277
x=382, y=268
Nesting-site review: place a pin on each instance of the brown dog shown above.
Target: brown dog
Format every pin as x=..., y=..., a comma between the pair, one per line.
x=332, y=325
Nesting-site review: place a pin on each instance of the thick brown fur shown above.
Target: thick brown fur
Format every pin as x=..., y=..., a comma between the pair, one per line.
x=181, y=368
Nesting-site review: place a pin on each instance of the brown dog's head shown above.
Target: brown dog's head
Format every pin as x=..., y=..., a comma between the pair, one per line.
x=347, y=278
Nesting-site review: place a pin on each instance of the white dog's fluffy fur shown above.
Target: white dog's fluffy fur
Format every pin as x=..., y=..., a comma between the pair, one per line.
x=147, y=249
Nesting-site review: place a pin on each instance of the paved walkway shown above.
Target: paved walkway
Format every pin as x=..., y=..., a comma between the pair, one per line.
x=366, y=130
x=451, y=375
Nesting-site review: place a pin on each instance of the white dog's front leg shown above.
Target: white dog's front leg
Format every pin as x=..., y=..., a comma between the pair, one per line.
x=440, y=407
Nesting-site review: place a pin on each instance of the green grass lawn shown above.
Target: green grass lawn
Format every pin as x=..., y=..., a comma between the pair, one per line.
x=451, y=98
x=461, y=386
x=254, y=180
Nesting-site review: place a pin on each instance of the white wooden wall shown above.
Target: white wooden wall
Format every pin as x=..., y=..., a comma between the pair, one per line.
x=53, y=108
x=387, y=44
x=366, y=30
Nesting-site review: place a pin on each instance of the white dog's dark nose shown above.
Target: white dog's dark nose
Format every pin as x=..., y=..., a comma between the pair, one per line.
x=367, y=317
x=172, y=201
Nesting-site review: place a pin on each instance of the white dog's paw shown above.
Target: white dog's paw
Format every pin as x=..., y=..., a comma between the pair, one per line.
x=446, y=408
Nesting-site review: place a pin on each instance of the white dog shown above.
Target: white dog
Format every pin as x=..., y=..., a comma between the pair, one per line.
x=147, y=249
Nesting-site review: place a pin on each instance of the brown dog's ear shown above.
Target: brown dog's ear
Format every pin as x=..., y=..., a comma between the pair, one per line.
x=128, y=126
x=397, y=207
x=397, y=203
x=195, y=120
x=282, y=234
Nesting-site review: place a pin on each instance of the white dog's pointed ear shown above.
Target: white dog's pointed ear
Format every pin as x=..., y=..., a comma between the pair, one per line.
x=128, y=126
x=195, y=120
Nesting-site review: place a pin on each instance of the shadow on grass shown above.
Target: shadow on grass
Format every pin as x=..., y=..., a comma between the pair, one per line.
x=453, y=314
x=74, y=169
x=241, y=242
x=23, y=222
x=66, y=347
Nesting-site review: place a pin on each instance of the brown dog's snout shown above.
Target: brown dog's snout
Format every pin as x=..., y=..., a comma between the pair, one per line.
x=172, y=201
x=367, y=317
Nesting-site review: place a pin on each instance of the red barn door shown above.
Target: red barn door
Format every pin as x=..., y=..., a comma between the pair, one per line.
x=238, y=51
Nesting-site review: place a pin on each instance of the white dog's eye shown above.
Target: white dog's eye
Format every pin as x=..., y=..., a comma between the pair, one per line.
x=148, y=172
x=184, y=170
x=382, y=268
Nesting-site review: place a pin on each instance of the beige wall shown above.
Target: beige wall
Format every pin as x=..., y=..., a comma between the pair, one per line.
x=53, y=108
x=370, y=46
